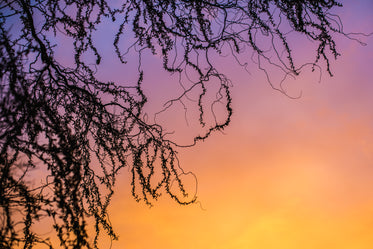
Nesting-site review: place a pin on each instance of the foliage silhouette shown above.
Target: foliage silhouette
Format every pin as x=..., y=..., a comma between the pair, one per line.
x=81, y=131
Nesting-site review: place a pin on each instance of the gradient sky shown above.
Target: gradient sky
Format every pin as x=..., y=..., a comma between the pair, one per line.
x=287, y=174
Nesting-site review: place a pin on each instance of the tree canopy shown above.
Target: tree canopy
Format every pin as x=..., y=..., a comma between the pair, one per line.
x=81, y=131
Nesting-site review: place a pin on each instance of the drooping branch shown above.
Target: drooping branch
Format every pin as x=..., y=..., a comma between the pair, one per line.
x=80, y=131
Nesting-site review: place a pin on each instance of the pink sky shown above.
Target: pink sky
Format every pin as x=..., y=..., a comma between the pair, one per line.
x=287, y=173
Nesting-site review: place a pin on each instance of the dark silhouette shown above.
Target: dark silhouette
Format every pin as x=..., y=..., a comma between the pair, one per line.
x=80, y=132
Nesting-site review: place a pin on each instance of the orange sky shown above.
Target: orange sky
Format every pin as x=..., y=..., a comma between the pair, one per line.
x=287, y=173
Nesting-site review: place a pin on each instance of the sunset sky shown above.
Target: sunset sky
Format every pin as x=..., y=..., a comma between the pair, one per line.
x=286, y=174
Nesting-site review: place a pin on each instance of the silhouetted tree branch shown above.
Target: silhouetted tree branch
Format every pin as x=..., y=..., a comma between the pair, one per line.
x=81, y=131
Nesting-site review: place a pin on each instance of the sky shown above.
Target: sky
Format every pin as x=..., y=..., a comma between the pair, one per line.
x=286, y=174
